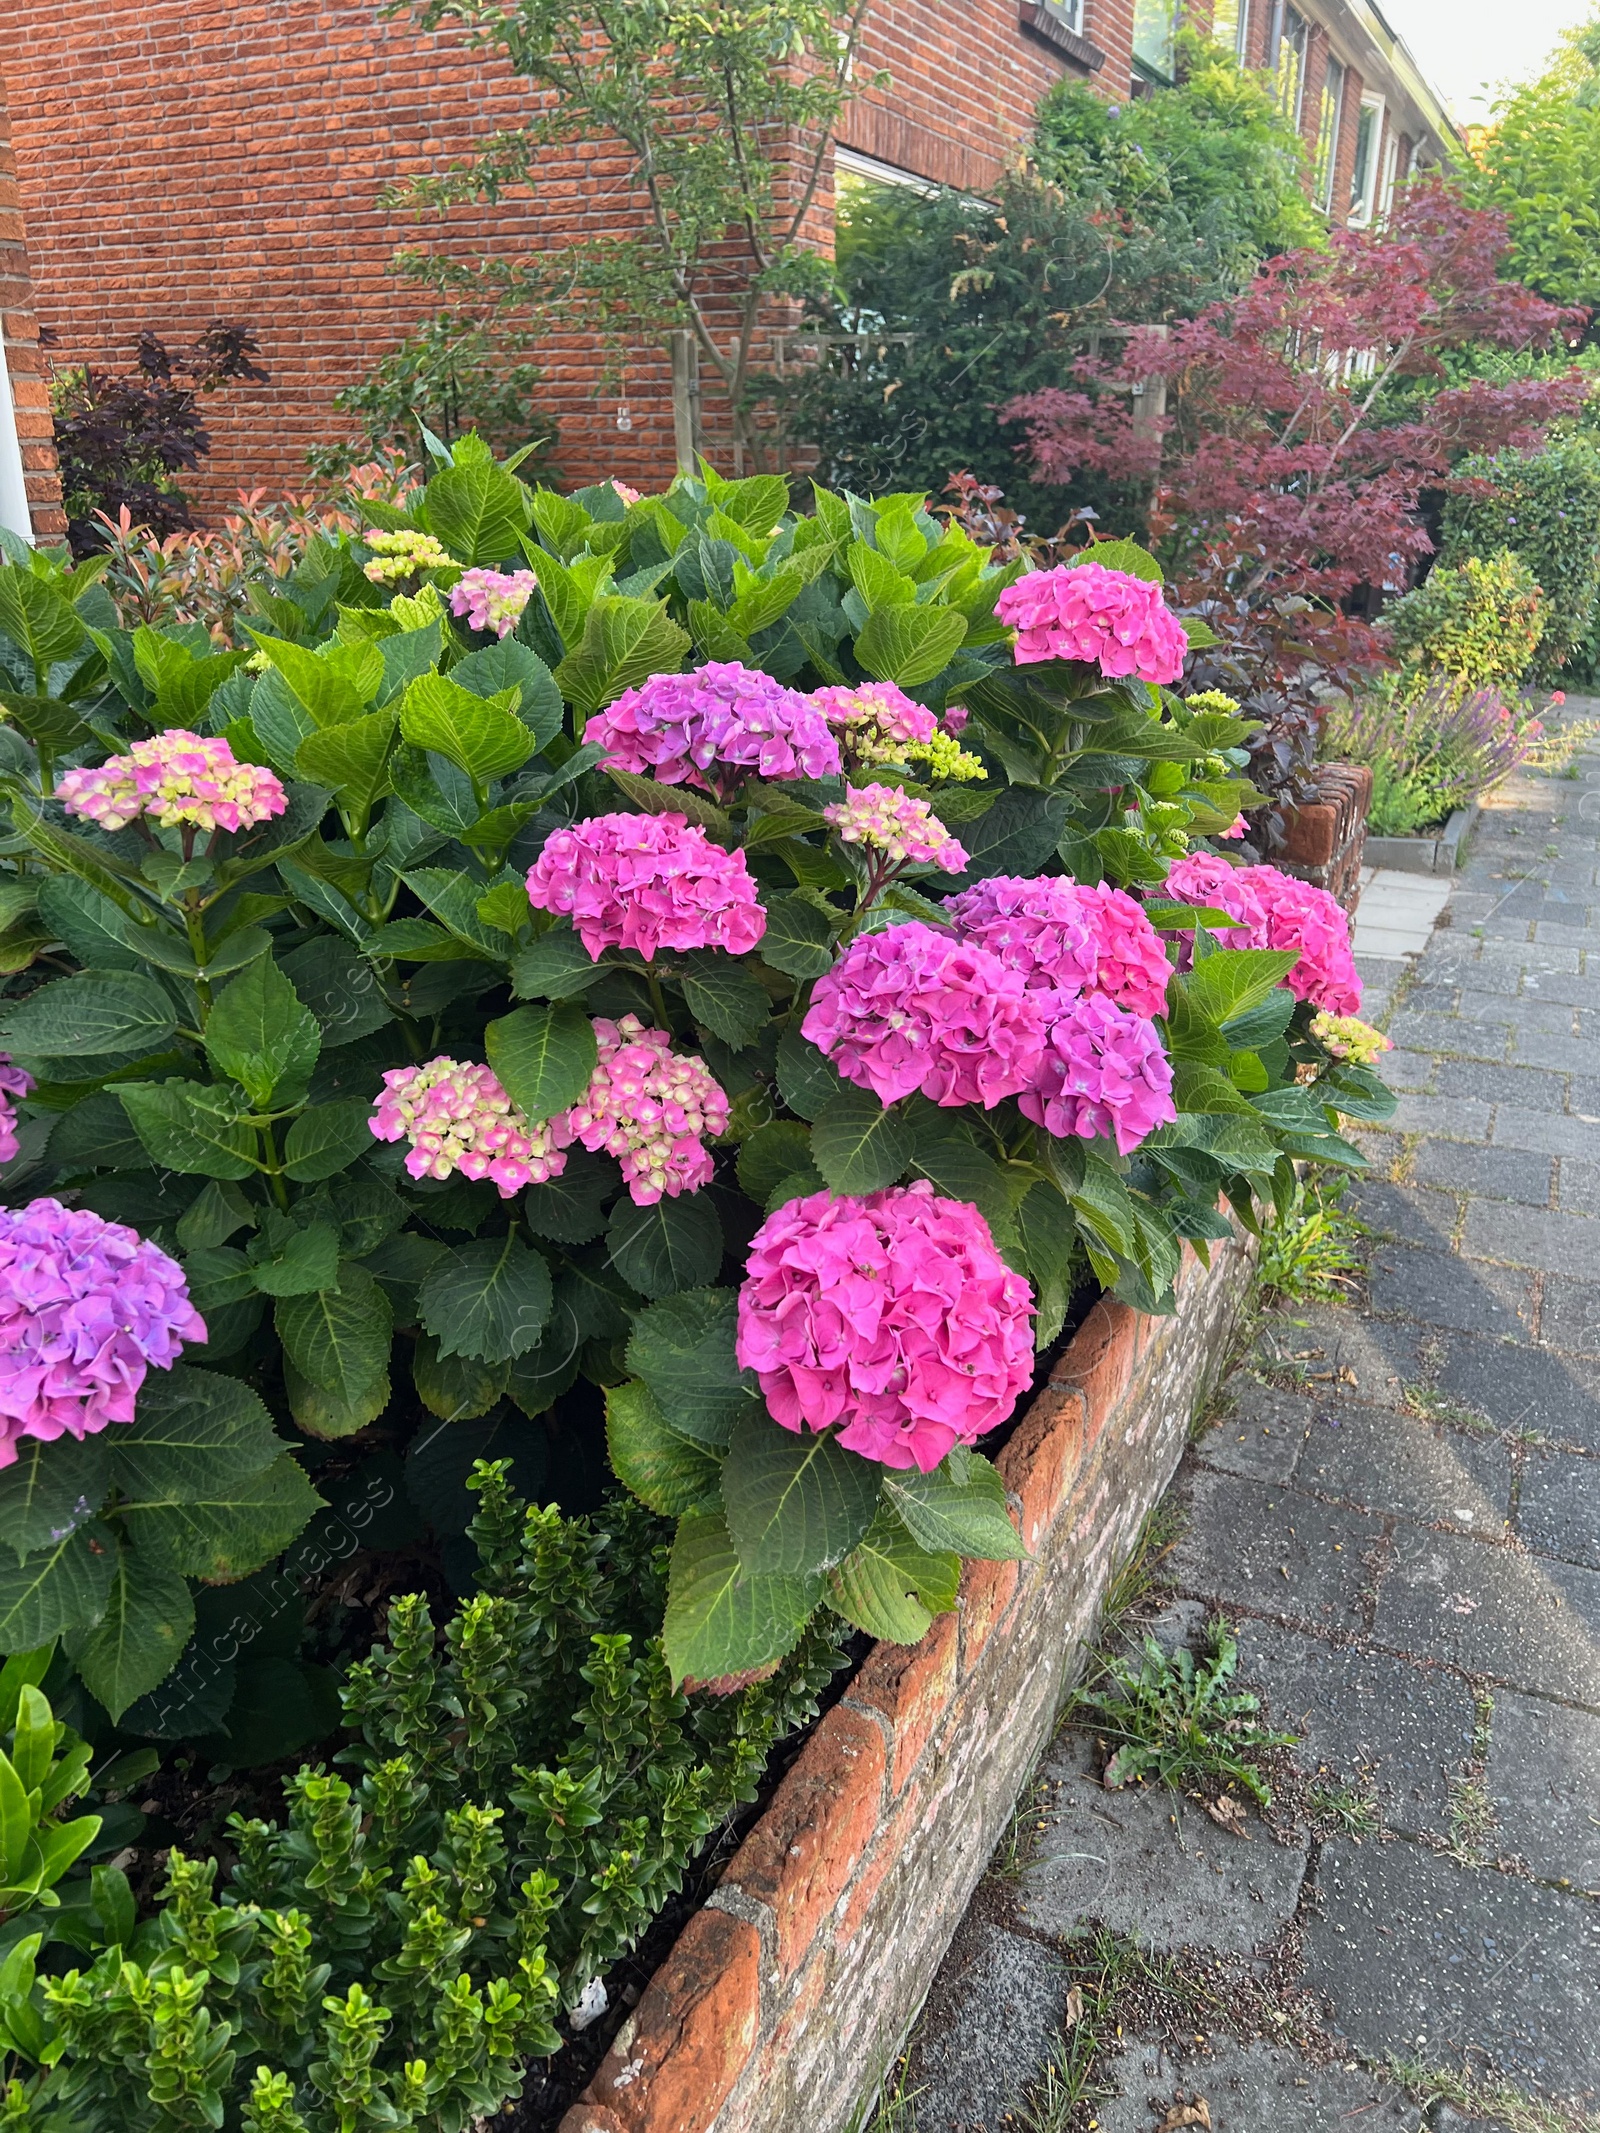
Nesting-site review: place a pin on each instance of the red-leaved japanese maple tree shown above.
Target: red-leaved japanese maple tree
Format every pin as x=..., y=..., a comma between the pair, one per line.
x=1306, y=417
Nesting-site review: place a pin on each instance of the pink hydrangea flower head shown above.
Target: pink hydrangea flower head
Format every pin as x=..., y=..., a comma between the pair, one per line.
x=176, y=778
x=874, y=723
x=1238, y=827
x=652, y=1108
x=628, y=496
x=492, y=599
x=1067, y=938
x=1104, y=1072
x=85, y=1307
x=1083, y=611
x=892, y=1319
x=647, y=882
x=715, y=728
x=14, y=1082
x=1301, y=916
x=1210, y=883
x=916, y=1008
x=459, y=1118
x=905, y=829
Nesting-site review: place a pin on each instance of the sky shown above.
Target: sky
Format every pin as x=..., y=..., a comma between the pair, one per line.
x=1462, y=44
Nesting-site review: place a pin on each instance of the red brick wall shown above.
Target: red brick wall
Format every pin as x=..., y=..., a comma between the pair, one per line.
x=24, y=362
x=220, y=159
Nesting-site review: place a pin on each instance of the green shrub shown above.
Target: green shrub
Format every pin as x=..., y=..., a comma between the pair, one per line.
x=1478, y=623
x=1544, y=509
x=1432, y=747
x=525, y=1792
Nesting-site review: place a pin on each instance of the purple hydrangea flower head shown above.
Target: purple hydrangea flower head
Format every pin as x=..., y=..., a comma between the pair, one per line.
x=1104, y=1072
x=1106, y=618
x=892, y=1319
x=492, y=599
x=647, y=882
x=915, y=1008
x=459, y=1117
x=1067, y=938
x=652, y=1108
x=13, y=1082
x=715, y=728
x=85, y=1307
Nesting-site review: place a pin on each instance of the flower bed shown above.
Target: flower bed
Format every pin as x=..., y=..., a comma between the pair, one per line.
x=786, y=1999
x=514, y=1067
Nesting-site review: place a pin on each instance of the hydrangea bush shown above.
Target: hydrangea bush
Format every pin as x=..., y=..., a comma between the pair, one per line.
x=758, y=964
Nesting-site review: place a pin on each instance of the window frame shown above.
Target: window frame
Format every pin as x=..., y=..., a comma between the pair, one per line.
x=1301, y=48
x=1329, y=128
x=1363, y=203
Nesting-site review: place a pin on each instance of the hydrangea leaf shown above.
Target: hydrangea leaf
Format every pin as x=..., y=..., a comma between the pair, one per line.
x=455, y=1387
x=968, y=1516
x=221, y=1530
x=191, y=1128
x=799, y=940
x=260, y=1034
x=683, y=1348
x=59, y=1587
x=663, y=1466
x=724, y=998
x=81, y=1017
x=570, y=1209
x=50, y=1487
x=720, y=1618
x=489, y=1300
x=796, y=1501
x=544, y=1057
x=339, y=1338
x=148, y=1619
x=892, y=1588
x=676, y=1244
x=859, y=1146
x=327, y=1139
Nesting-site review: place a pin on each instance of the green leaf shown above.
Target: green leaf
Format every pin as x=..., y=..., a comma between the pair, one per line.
x=498, y=667
x=339, y=1338
x=910, y=645
x=328, y=686
x=38, y=617
x=720, y=1619
x=48, y=1488
x=858, y=1145
x=477, y=509
x=555, y=966
x=624, y=642
x=191, y=1427
x=570, y=1209
x=454, y=1387
x=756, y=503
x=799, y=940
x=59, y=1587
x=651, y=797
x=969, y=1517
x=892, y=1588
x=808, y=1081
x=351, y=760
x=221, y=1529
x=96, y=1135
x=944, y=1153
x=683, y=1348
x=82, y=1017
x=796, y=1501
x=544, y=1057
x=1126, y=556
x=664, y=1467
x=286, y=1260
x=724, y=998
x=327, y=1139
x=320, y=1415
x=1229, y=984
x=148, y=1620
x=660, y=1250
x=475, y=734
x=771, y=1154
x=188, y=1127
x=1015, y=836
x=340, y=987
x=489, y=1300
x=260, y=1035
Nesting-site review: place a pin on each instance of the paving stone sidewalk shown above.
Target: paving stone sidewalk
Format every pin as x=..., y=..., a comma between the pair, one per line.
x=1399, y=1511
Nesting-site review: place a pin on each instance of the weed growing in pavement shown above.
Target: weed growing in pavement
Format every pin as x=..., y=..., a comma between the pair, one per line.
x=1431, y=1406
x=892, y=2106
x=1342, y=1810
x=1139, y=1576
x=1176, y=1717
x=1312, y=1253
x=1507, y=2106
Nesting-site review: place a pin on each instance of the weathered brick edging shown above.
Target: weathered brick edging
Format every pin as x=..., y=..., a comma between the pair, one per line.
x=786, y=1997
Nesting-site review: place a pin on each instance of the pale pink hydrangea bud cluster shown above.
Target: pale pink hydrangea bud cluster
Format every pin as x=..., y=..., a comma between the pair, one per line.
x=1065, y=937
x=85, y=1307
x=903, y=828
x=873, y=721
x=652, y=1108
x=892, y=1319
x=176, y=778
x=492, y=599
x=647, y=882
x=402, y=554
x=14, y=1081
x=1346, y=1037
x=1118, y=623
x=1104, y=1073
x=627, y=495
x=916, y=1008
x=715, y=728
x=1277, y=911
x=459, y=1117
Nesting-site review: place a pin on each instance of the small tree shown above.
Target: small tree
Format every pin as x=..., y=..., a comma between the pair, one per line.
x=725, y=110
x=1539, y=164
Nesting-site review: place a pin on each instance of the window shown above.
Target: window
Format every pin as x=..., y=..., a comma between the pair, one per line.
x=1391, y=166
x=1230, y=26
x=13, y=487
x=1154, y=23
x=1069, y=13
x=1369, y=135
x=1292, y=66
x=1329, y=122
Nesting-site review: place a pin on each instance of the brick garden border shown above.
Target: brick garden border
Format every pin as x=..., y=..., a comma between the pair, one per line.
x=785, y=1999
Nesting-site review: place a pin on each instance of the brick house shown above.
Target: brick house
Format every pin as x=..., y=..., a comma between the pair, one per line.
x=221, y=160
x=30, y=497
